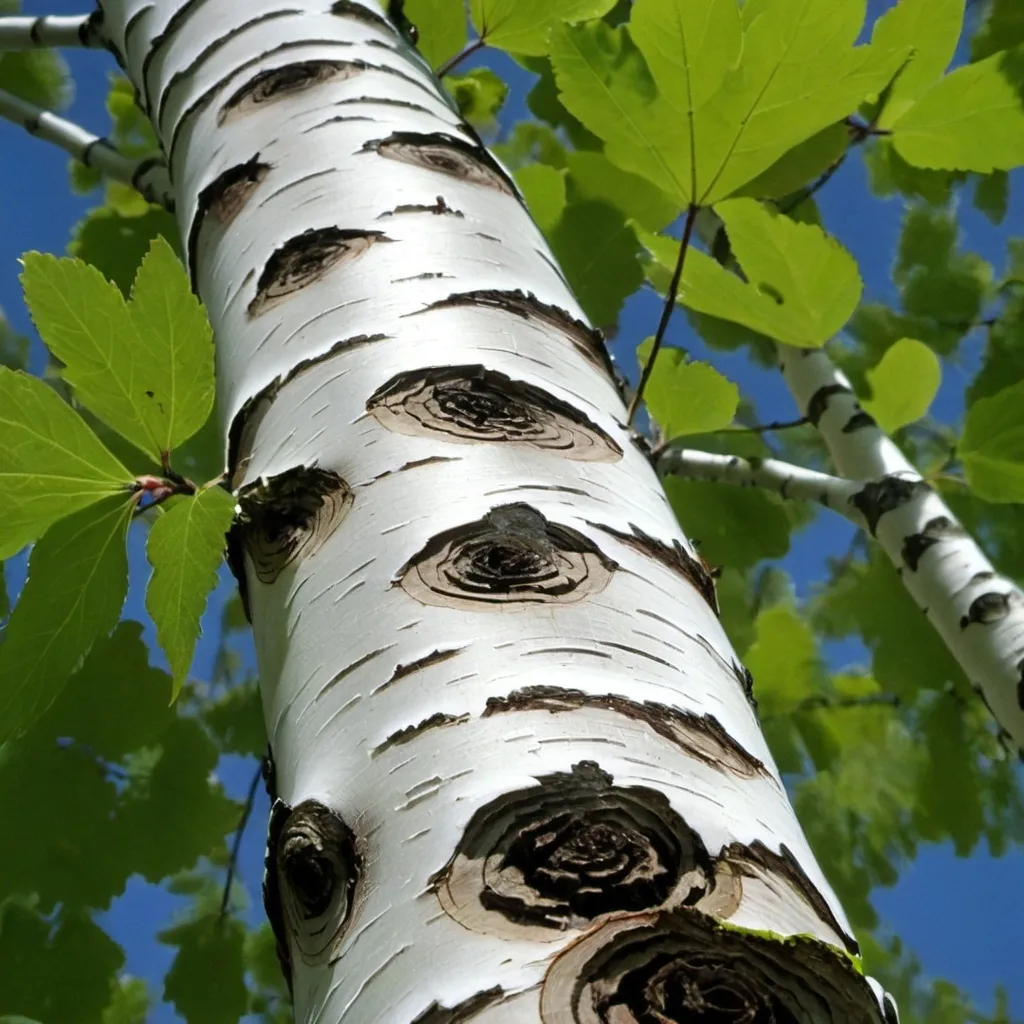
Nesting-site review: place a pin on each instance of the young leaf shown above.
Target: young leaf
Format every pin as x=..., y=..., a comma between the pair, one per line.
x=440, y=27
x=971, y=120
x=51, y=463
x=782, y=660
x=522, y=26
x=932, y=28
x=185, y=547
x=593, y=176
x=479, y=95
x=992, y=447
x=801, y=286
x=543, y=188
x=687, y=398
x=77, y=581
x=674, y=102
x=144, y=367
x=903, y=384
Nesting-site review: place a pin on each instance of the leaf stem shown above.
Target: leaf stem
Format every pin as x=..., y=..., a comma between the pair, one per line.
x=666, y=310
x=236, y=844
x=452, y=63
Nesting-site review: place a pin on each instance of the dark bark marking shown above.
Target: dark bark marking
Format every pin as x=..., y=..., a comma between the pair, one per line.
x=758, y=861
x=673, y=556
x=223, y=199
x=445, y=154
x=746, y=681
x=438, y=207
x=471, y=404
x=349, y=669
x=289, y=517
x=678, y=965
x=462, y=1012
x=305, y=259
x=430, y=460
x=818, y=402
x=589, y=342
x=988, y=608
x=284, y=82
x=417, y=665
x=357, y=12
x=701, y=737
x=568, y=650
x=858, y=421
x=512, y=557
x=639, y=651
x=410, y=732
x=313, y=867
x=555, y=857
x=878, y=497
x=935, y=530
x=243, y=427
x=156, y=44
x=386, y=101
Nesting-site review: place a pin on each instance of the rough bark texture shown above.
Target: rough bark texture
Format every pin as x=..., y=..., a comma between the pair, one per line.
x=519, y=777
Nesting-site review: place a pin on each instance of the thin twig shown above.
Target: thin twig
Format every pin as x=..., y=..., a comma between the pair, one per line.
x=148, y=175
x=764, y=428
x=51, y=30
x=236, y=844
x=666, y=311
x=812, y=190
x=450, y=65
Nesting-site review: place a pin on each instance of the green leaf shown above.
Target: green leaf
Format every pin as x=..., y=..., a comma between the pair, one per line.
x=522, y=26
x=144, y=367
x=992, y=195
x=971, y=120
x=51, y=463
x=903, y=384
x=800, y=165
x=597, y=250
x=593, y=176
x=674, y=102
x=889, y=173
x=687, y=398
x=931, y=28
x=440, y=27
x=992, y=446
x=77, y=581
x=783, y=661
x=205, y=982
x=1003, y=29
x=801, y=287
x=543, y=188
x=185, y=549
x=479, y=95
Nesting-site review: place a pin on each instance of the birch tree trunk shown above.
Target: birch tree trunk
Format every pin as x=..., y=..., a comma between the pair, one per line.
x=519, y=774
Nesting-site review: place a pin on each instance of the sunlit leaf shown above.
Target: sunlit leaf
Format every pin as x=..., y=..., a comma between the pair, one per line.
x=903, y=384
x=522, y=26
x=479, y=95
x=51, y=463
x=992, y=446
x=185, y=548
x=440, y=28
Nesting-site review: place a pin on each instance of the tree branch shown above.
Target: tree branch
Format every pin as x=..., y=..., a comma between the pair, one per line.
x=452, y=63
x=51, y=30
x=148, y=175
x=666, y=310
x=781, y=477
x=978, y=614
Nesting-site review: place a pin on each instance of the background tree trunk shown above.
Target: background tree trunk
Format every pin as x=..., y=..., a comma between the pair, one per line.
x=514, y=751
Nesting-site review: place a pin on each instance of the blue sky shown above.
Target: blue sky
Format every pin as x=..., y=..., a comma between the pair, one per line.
x=941, y=901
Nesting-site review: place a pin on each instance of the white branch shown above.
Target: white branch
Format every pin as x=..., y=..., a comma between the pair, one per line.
x=782, y=477
x=978, y=614
x=148, y=175
x=51, y=30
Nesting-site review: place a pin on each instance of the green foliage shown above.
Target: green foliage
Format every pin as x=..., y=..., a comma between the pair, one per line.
x=185, y=548
x=800, y=286
x=673, y=102
x=522, y=26
x=903, y=385
x=479, y=94
x=684, y=397
x=440, y=27
x=38, y=76
x=992, y=446
x=205, y=982
x=145, y=367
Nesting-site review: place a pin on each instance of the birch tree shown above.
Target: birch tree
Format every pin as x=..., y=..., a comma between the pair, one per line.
x=514, y=749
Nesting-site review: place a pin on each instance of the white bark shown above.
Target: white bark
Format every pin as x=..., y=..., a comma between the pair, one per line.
x=512, y=744
x=148, y=175
x=978, y=614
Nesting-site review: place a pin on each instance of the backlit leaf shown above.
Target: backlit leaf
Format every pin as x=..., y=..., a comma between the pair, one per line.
x=903, y=384
x=51, y=463
x=440, y=27
x=185, y=548
x=145, y=367
x=77, y=580
x=522, y=26
x=479, y=95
